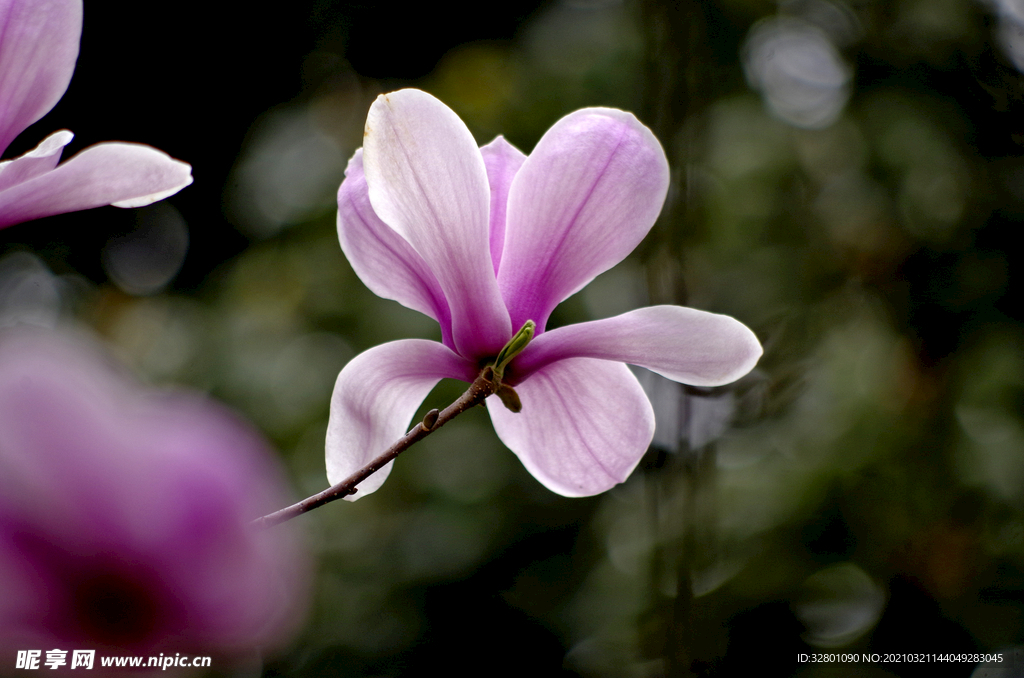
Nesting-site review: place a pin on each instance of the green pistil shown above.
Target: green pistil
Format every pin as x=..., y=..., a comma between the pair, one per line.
x=513, y=348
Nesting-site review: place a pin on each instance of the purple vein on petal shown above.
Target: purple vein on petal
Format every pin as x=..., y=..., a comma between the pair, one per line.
x=540, y=307
x=427, y=180
x=585, y=197
x=384, y=260
x=38, y=49
x=502, y=161
x=584, y=426
x=684, y=344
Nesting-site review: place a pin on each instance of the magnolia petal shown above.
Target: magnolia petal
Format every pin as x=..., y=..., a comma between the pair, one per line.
x=684, y=344
x=376, y=395
x=38, y=49
x=502, y=160
x=124, y=175
x=582, y=201
x=427, y=180
x=583, y=428
x=384, y=260
x=150, y=493
x=40, y=159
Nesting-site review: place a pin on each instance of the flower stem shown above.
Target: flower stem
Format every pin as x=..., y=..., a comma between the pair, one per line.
x=484, y=385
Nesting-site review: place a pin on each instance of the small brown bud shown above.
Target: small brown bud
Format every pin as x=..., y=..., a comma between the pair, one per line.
x=509, y=398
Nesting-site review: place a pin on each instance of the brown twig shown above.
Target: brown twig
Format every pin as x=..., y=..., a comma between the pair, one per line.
x=483, y=386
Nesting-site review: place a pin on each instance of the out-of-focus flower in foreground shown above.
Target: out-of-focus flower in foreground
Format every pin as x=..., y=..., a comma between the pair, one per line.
x=124, y=514
x=484, y=239
x=38, y=49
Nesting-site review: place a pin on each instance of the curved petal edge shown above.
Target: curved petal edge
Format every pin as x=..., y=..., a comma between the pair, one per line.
x=582, y=201
x=39, y=160
x=427, y=180
x=584, y=426
x=385, y=262
x=120, y=174
x=683, y=344
x=502, y=161
x=38, y=51
x=376, y=396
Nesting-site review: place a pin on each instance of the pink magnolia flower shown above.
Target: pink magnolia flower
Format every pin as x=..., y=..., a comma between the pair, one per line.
x=484, y=239
x=124, y=514
x=38, y=49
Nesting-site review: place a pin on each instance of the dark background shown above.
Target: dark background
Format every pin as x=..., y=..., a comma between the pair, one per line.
x=871, y=469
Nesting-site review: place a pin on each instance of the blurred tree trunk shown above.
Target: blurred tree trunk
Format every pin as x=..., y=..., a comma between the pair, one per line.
x=678, y=89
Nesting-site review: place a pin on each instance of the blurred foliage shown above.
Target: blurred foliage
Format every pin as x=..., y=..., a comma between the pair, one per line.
x=847, y=177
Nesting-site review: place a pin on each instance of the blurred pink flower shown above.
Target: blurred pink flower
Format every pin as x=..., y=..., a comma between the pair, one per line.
x=124, y=514
x=484, y=239
x=38, y=49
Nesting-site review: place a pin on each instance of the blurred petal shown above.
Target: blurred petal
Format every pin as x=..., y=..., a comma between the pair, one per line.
x=124, y=175
x=584, y=426
x=684, y=344
x=376, y=395
x=40, y=159
x=582, y=201
x=382, y=259
x=38, y=49
x=428, y=181
x=502, y=160
x=115, y=498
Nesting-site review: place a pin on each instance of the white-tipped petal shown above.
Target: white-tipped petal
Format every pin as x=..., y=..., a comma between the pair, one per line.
x=384, y=260
x=583, y=427
x=427, y=180
x=684, y=344
x=583, y=200
x=375, y=397
x=39, y=160
x=126, y=175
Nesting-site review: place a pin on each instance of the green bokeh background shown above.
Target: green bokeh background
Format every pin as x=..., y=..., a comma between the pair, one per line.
x=861, y=491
